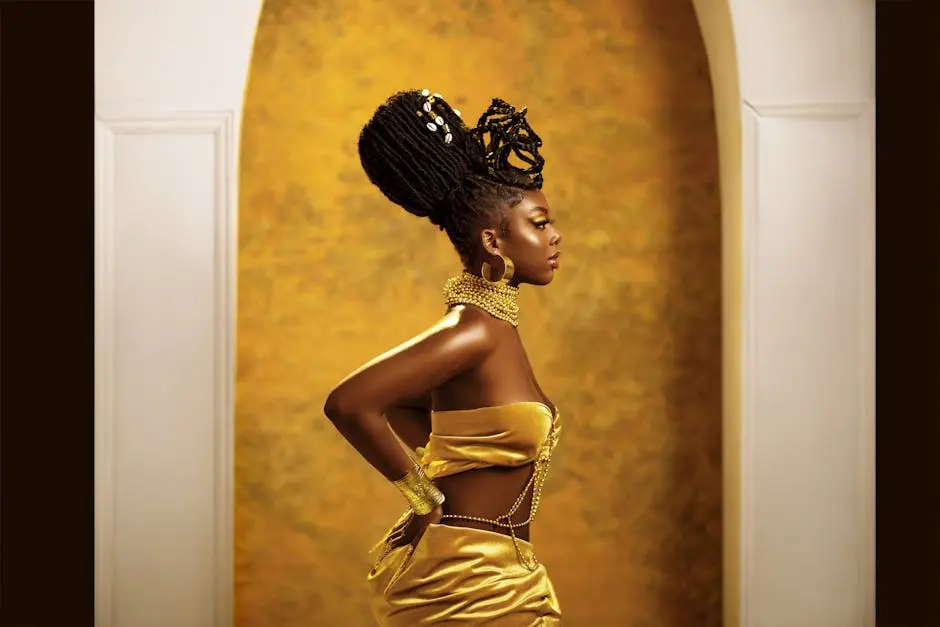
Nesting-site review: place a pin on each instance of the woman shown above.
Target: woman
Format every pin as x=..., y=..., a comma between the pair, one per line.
x=462, y=395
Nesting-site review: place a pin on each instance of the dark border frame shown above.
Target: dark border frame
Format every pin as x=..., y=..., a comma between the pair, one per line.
x=46, y=325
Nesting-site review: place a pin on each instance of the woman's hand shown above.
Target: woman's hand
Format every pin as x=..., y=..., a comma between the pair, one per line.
x=415, y=528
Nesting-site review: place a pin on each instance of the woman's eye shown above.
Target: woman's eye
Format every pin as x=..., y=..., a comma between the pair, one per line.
x=542, y=225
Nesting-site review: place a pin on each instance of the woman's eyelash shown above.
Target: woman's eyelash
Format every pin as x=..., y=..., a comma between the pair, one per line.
x=542, y=225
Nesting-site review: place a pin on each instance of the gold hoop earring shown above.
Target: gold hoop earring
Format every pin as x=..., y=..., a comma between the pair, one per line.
x=509, y=268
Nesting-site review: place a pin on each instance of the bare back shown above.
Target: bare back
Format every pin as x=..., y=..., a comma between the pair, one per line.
x=503, y=377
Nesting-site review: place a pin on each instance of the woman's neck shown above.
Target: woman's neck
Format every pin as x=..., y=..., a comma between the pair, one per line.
x=500, y=300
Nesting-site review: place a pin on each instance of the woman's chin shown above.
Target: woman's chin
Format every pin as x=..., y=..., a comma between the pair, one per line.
x=541, y=280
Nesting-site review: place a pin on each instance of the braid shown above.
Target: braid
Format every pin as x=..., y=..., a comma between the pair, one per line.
x=510, y=134
x=418, y=151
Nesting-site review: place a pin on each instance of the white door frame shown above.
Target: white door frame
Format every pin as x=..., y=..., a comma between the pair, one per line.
x=794, y=94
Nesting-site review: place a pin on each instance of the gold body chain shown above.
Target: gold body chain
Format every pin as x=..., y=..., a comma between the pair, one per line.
x=535, y=483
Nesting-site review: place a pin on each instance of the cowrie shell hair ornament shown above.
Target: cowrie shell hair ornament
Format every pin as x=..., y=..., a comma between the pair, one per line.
x=435, y=119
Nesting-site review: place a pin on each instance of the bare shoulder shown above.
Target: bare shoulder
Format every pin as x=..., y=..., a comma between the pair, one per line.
x=462, y=335
x=470, y=326
x=407, y=373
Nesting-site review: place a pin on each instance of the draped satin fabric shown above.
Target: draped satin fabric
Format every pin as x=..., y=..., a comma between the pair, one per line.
x=459, y=575
x=503, y=435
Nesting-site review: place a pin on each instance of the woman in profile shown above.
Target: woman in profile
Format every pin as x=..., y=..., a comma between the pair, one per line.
x=454, y=417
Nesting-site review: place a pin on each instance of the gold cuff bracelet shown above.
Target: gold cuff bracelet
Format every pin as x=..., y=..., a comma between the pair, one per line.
x=419, y=491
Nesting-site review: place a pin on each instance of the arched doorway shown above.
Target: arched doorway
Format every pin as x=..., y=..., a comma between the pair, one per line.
x=795, y=133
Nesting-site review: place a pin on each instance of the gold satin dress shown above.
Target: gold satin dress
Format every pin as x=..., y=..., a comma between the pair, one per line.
x=462, y=575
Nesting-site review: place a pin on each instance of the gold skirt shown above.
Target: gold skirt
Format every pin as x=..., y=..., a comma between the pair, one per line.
x=460, y=576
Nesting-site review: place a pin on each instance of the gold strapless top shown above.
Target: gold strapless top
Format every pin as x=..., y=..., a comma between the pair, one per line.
x=509, y=435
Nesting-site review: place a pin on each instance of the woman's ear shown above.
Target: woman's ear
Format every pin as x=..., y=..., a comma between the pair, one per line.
x=489, y=239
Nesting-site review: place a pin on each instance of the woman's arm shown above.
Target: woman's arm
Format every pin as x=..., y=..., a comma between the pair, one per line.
x=411, y=420
x=358, y=405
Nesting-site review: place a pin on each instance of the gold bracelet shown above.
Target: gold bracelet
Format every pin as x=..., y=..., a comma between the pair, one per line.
x=420, y=492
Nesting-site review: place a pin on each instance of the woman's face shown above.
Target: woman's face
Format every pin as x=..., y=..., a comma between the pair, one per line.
x=532, y=241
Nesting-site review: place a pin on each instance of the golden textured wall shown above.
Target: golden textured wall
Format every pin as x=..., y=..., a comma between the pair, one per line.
x=626, y=340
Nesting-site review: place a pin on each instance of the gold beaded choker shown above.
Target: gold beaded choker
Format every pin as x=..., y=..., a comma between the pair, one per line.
x=500, y=300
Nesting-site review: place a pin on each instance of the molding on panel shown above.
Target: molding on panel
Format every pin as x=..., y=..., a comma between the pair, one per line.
x=104, y=375
x=863, y=115
x=749, y=322
x=219, y=123
x=813, y=110
x=221, y=126
x=866, y=385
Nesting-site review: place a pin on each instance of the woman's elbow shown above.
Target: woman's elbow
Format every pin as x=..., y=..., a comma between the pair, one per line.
x=343, y=407
x=337, y=407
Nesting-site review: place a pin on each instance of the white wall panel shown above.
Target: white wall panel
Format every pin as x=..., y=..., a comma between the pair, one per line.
x=172, y=56
x=169, y=83
x=164, y=223
x=804, y=51
x=808, y=428
x=807, y=484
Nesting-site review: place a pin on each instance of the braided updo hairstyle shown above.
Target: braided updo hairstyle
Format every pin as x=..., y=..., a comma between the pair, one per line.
x=418, y=151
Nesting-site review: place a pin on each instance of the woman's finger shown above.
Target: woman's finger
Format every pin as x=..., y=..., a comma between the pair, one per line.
x=423, y=522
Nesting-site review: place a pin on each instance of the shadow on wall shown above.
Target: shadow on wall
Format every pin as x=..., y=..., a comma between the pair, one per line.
x=626, y=340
